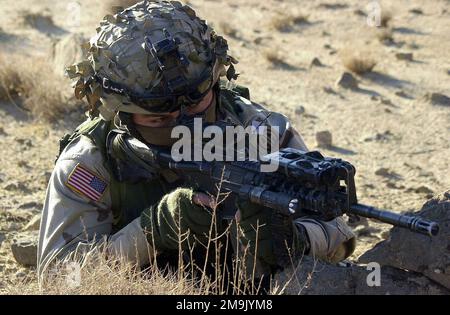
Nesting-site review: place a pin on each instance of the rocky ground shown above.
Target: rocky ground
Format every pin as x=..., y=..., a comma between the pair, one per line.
x=392, y=123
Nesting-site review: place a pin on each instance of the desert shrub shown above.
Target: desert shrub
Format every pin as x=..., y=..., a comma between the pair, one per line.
x=32, y=85
x=358, y=62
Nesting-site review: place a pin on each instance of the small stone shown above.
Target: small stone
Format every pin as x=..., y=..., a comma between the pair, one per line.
x=404, y=56
x=34, y=223
x=16, y=186
x=413, y=45
x=385, y=101
x=438, y=99
x=24, y=248
x=30, y=205
x=438, y=271
x=416, y=11
x=328, y=46
x=25, y=142
x=359, y=12
x=258, y=40
x=402, y=94
x=329, y=90
x=347, y=81
x=324, y=139
x=385, y=136
x=382, y=172
x=316, y=62
x=423, y=190
x=300, y=110
x=10, y=187
x=22, y=163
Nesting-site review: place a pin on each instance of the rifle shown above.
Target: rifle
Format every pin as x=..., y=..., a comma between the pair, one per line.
x=305, y=183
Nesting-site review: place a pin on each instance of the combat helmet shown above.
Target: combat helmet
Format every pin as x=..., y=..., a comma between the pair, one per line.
x=152, y=57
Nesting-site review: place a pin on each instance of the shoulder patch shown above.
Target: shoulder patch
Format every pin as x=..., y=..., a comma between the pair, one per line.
x=86, y=183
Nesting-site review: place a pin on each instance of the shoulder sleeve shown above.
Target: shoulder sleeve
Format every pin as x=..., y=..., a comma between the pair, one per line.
x=289, y=137
x=77, y=208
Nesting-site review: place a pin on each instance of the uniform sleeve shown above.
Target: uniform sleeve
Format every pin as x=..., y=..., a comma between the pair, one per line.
x=77, y=210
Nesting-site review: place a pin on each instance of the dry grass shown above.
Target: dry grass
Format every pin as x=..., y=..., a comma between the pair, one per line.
x=358, y=62
x=385, y=35
x=31, y=85
x=386, y=17
x=273, y=56
x=99, y=275
x=277, y=60
x=285, y=22
x=96, y=272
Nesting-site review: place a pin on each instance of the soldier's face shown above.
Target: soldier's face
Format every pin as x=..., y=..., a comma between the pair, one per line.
x=167, y=119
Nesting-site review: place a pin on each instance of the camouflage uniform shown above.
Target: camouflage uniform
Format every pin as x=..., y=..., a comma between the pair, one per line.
x=86, y=203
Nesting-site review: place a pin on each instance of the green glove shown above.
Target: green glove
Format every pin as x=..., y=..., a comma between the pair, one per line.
x=273, y=239
x=177, y=217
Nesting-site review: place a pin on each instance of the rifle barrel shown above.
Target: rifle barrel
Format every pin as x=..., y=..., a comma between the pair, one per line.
x=411, y=222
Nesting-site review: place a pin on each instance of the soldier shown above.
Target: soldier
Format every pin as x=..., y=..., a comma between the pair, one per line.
x=149, y=68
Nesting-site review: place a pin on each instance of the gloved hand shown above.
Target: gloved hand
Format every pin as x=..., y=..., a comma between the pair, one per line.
x=273, y=239
x=179, y=214
x=330, y=241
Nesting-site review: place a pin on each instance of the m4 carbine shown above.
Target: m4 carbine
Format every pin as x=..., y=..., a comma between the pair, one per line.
x=304, y=184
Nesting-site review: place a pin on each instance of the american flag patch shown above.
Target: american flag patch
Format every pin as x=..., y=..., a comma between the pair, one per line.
x=86, y=183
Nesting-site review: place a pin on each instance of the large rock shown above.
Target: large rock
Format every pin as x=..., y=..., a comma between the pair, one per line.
x=404, y=56
x=24, y=248
x=438, y=99
x=324, y=139
x=320, y=278
x=429, y=256
x=347, y=81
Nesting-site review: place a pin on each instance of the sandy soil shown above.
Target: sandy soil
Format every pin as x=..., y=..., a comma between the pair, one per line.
x=398, y=140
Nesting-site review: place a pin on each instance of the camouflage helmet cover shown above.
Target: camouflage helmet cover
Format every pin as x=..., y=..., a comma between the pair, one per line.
x=152, y=57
